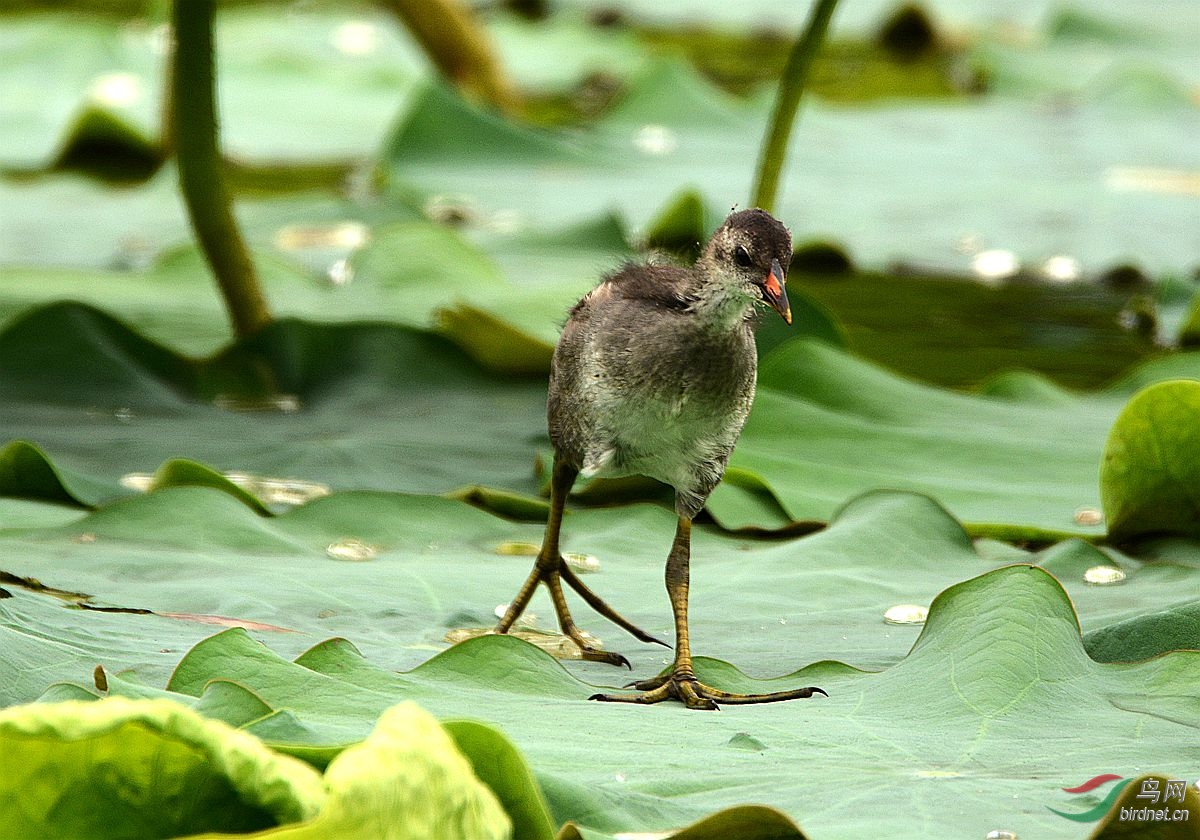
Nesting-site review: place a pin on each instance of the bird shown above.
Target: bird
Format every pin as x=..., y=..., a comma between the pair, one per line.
x=654, y=375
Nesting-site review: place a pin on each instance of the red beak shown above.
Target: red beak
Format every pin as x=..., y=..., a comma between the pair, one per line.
x=775, y=292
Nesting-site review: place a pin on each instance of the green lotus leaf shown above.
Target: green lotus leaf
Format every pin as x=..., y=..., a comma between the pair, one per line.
x=826, y=426
x=494, y=343
x=440, y=126
x=404, y=273
x=378, y=400
x=1143, y=636
x=1150, y=478
x=142, y=768
x=26, y=473
x=429, y=565
x=746, y=822
x=500, y=766
x=672, y=131
x=183, y=473
x=68, y=76
x=154, y=768
x=1076, y=333
x=407, y=780
x=999, y=669
x=682, y=225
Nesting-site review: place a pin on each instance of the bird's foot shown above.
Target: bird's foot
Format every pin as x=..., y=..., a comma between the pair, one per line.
x=553, y=574
x=597, y=603
x=696, y=695
x=587, y=650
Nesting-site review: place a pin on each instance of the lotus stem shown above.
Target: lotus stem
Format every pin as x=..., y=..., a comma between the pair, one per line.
x=787, y=103
x=193, y=118
x=459, y=48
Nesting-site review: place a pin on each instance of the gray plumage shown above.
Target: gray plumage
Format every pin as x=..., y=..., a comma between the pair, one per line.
x=654, y=373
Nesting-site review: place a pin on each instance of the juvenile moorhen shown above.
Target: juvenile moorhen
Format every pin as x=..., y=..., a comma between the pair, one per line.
x=654, y=375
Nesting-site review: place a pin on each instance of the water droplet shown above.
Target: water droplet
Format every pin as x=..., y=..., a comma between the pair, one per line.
x=115, y=90
x=1000, y=834
x=341, y=272
x=655, y=140
x=1088, y=516
x=356, y=38
x=906, y=614
x=1152, y=179
x=279, y=491
x=348, y=235
x=1062, y=269
x=1137, y=319
x=584, y=563
x=137, y=481
x=1104, y=575
x=517, y=549
x=284, y=403
x=134, y=253
x=995, y=265
x=620, y=777
x=351, y=549
x=783, y=621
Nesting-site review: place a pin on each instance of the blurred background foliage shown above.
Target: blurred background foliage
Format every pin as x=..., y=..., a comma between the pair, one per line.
x=1036, y=164
x=997, y=219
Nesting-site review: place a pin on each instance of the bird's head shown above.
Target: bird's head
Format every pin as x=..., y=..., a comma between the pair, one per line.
x=749, y=253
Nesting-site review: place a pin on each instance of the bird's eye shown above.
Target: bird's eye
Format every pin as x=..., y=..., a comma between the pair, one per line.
x=742, y=257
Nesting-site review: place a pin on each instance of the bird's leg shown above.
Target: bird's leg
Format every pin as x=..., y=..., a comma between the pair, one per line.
x=548, y=559
x=551, y=569
x=680, y=682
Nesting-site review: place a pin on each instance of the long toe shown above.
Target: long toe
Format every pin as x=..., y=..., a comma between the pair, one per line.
x=666, y=691
x=607, y=656
x=650, y=684
x=601, y=606
x=693, y=698
x=696, y=695
x=720, y=696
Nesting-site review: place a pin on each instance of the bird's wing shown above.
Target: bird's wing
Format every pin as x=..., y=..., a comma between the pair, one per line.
x=663, y=285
